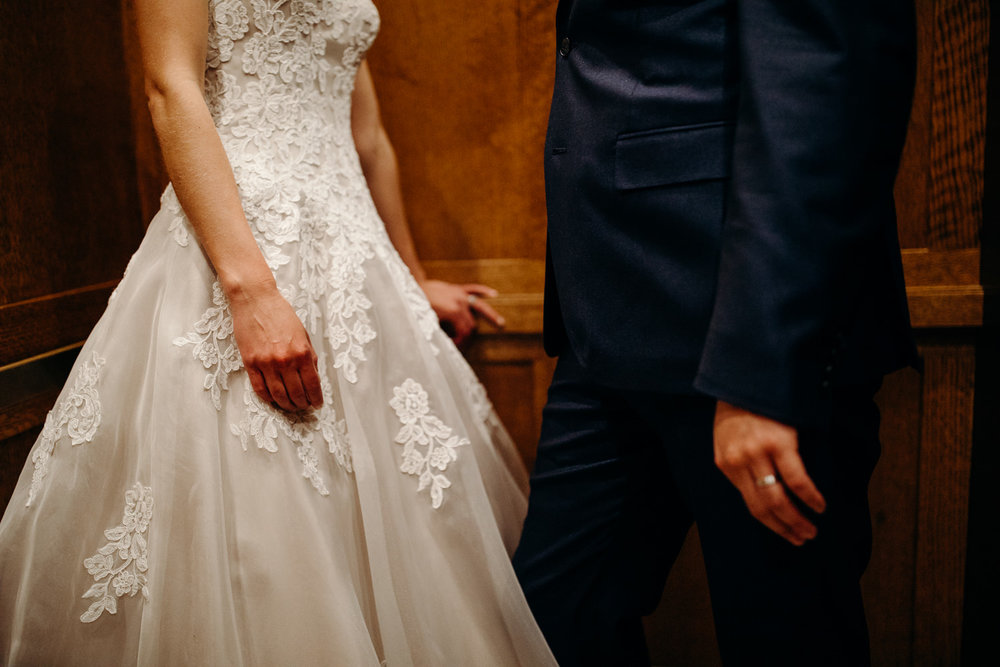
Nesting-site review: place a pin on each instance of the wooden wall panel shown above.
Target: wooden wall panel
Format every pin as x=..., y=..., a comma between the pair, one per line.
x=67, y=175
x=888, y=582
x=958, y=118
x=464, y=87
x=69, y=207
x=943, y=500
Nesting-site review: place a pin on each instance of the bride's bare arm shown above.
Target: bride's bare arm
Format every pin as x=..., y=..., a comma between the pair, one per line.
x=274, y=345
x=451, y=302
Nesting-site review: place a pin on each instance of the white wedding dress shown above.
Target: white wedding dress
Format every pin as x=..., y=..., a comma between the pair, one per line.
x=168, y=517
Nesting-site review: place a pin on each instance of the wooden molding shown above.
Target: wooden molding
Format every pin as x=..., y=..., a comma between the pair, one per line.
x=943, y=287
x=37, y=326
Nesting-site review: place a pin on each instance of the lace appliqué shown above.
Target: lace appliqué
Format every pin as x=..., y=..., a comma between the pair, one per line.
x=178, y=223
x=79, y=413
x=421, y=428
x=278, y=82
x=482, y=407
x=350, y=327
x=426, y=318
x=262, y=424
x=214, y=345
x=119, y=567
x=231, y=22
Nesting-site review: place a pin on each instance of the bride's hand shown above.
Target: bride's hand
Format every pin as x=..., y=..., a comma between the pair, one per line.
x=275, y=347
x=457, y=307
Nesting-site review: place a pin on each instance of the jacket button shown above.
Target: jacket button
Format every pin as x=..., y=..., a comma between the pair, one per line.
x=564, y=47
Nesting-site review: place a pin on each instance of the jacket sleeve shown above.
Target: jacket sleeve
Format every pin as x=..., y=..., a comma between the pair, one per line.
x=824, y=96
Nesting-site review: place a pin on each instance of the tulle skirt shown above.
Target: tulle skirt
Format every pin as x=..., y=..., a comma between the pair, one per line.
x=168, y=517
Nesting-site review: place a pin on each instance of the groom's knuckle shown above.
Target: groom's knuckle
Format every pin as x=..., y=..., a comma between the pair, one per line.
x=731, y=460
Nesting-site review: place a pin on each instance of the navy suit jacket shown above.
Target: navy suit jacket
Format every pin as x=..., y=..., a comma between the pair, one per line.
x=719, y=182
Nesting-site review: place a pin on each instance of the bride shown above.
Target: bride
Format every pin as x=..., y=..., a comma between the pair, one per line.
x=268, y=452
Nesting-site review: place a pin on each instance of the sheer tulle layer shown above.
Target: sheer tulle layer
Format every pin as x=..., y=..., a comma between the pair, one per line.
x=220, y=531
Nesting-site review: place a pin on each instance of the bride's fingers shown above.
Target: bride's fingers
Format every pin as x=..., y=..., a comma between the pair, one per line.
x=309, y=377
x=480, y=290
x=276, y=387
x=294, y=389
x=259, y=385
x=487, y=312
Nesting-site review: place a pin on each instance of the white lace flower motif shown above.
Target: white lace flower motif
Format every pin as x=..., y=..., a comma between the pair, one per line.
x=229, y=22
x=421, y=428
x=78, y=414
x=119, y=567
x=261, y=53
x=262, y=425
x=214, y=346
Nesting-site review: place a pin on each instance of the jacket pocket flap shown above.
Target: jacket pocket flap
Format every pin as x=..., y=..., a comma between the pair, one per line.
x=672, y=155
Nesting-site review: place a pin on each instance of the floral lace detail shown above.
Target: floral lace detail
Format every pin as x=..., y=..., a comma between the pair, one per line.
x=119, y=567
x=262, y=424
x=278, y=82
x=214, y=345
x=482, y=407
x=231, y=22
x=178, y=222
x=426, y=318
x=350, y=327
x=79, y=413
x=421, y=428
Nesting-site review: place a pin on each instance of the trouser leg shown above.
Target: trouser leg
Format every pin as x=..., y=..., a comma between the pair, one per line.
x=774, y=603
x=604, y=525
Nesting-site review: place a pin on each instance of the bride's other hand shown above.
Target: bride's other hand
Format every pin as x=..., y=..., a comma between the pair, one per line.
x=275, y=347
x=458, y=306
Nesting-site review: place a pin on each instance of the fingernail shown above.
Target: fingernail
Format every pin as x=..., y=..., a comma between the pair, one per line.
x=502, y=322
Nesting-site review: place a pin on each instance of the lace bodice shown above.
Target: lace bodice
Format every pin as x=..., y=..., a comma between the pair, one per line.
x=278, y=82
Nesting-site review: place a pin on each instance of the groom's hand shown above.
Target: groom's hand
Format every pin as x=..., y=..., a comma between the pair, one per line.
x=760, y=457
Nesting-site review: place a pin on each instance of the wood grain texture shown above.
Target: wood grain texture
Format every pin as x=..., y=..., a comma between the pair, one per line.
x=913, y=180
x=958, y=118
x=68, y=205
x=464, y=88
x=888, y=583
x=981, y=616
x=943, y=500
x=35, y=326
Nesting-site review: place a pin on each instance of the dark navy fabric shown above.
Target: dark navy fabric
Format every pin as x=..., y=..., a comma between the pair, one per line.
x=719, y=189
x=720, y=226
x=620, y=477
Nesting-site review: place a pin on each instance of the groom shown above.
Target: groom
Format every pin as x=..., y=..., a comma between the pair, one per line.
x=725, y=293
